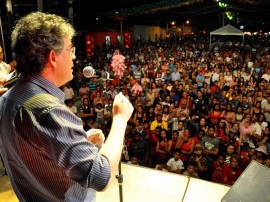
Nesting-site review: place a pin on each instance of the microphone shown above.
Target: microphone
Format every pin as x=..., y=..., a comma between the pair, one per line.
x=89, y=72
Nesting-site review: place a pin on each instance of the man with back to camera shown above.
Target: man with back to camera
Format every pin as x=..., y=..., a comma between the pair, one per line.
x=46, y=151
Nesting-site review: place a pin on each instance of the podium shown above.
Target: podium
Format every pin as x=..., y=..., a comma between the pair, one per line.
x=141, y=184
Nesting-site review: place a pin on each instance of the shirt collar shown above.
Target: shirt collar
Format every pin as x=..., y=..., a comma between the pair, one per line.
x=46, y=85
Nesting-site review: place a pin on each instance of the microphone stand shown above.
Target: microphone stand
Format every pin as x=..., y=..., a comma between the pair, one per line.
x=119, y=176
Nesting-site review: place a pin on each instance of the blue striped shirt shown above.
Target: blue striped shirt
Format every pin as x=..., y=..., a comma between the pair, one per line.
x=44, y=146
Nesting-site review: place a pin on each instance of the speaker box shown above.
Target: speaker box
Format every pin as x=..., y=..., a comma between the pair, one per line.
x=252, y=185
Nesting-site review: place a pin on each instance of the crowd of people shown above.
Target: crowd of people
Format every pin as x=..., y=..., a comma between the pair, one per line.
x=202, y=112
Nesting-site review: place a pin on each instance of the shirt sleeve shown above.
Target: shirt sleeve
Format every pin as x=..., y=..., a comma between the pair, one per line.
x=169, y=163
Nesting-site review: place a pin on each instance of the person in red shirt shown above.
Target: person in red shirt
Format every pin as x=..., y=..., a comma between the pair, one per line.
x=153, y=143
x=217, y=169
x=232, y=171
x=214, y=87
x=197, y=138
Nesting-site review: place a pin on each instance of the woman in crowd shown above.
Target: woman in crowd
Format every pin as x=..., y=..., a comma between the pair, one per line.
x=228, y=78
x=230, y=150
x=239, y=115
x=186, y=144
x=229, y=114
x=163, y=148
x=215, y=114
x=150, y=97
x=139, y=115
x=259, y=96
x=86, y=110
x=150, y=114
x=252, y=82
x=98, y=99
x=154, y=88
x=222, y=132
x=165, y=113
x=257, y=108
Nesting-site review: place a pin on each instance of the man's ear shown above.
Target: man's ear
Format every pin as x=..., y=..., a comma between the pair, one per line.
x=52, y=58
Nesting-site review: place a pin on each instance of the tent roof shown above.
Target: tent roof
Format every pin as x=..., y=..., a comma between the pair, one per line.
x=227, y=30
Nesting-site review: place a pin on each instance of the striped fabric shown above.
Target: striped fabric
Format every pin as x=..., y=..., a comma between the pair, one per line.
x=44, y=146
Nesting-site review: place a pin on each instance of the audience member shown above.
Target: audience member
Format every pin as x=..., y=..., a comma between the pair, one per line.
x=175, y=165
x=202, y=162
x=191, y=170
x=232, y=171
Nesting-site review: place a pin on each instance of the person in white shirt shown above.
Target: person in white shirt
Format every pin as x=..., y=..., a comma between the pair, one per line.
x=208, y=76
x=175, y=75
x=175, y=164
x=112, y=91
x=266, y=75
x=215, y=75
x=246, y=75
x=71, y=106
x=228, y=78
x=69, y=92
x=257, y=130
x=84, y=91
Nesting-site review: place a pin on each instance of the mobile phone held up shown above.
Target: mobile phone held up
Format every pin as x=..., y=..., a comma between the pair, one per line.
x=11, y=79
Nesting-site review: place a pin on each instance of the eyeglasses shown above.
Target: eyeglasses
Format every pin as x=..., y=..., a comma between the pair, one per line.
x=72, y=52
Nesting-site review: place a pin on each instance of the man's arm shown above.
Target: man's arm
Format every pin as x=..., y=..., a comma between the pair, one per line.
x=112, y=148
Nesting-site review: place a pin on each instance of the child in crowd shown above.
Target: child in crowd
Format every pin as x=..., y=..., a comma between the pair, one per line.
x=191, y=170
x=99, y=109
x=175, y=164
x=217, y=169
x=202, y=162
x=134, y=161
x=232, y=171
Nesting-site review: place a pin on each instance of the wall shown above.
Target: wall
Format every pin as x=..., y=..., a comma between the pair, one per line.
x=152, y=33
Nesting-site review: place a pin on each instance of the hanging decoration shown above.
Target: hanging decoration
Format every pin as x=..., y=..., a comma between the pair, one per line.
x=118, y=64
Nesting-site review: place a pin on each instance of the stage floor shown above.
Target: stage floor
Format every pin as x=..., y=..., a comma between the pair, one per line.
x=144, y=185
